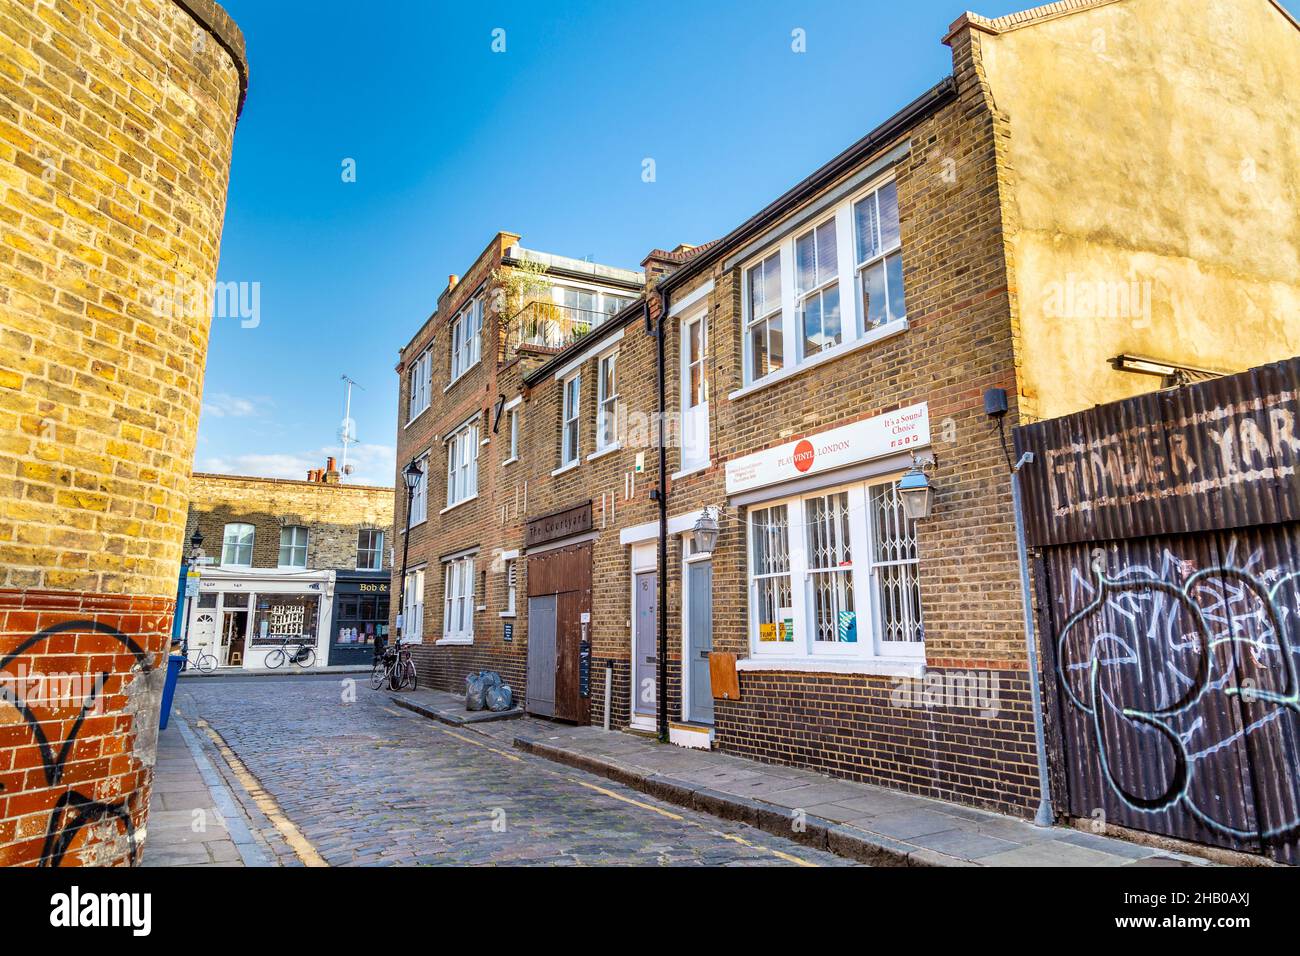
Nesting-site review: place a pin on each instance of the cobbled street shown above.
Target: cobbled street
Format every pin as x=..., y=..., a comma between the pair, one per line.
x=368, y=784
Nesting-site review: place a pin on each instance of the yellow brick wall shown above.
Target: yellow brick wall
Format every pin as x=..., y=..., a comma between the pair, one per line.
x=116, y=126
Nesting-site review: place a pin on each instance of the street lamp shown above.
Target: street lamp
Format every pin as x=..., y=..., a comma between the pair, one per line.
x=705, y=532
x=411, y=474
x=196, y=545
x=916, y=492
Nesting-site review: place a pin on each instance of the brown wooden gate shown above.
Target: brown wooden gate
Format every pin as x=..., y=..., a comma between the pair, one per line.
x=1167, y=535
x=565, y=575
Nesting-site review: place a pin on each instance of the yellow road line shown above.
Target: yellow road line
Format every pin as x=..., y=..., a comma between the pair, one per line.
x=479, y=743
x=265, y=802
x=636, y=803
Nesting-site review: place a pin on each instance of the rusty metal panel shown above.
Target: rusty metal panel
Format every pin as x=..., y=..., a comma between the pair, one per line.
x=1214, y=456
x=1175, y=661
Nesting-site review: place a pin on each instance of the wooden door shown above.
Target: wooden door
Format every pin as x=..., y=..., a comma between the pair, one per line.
x=540, y=693
x=564, y=577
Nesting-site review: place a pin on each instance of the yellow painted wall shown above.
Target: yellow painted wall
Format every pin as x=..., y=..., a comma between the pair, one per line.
x=1154, y=151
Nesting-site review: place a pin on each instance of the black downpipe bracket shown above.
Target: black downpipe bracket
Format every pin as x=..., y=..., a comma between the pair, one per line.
x=660, y=359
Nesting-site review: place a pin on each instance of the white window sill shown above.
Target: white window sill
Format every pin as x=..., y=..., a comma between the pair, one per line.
x=457, y=641
x=291, y=567
x=886, y=331
x=415, y=524
x=412, y=421
x=602, y=452
x=569, y=467
x=509, y=614
x=687, y=472
x=880, y=666
x=510, y=461
x=463, y=501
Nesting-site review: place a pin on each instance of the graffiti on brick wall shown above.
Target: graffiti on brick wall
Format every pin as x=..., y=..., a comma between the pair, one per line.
x=1205, y=658
x=74, y=810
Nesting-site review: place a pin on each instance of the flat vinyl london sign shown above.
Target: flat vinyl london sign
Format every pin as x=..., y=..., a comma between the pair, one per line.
x=888, y=434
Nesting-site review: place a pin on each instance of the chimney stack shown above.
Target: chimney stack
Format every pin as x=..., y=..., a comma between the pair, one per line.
x=331, y=476
x=452, y=281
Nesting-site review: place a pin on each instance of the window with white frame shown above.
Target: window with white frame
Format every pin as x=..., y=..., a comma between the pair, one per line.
x=293, y=546
x=419, y=380
x=765, y=335
x=420, y=497
x=835, y=575
x=413, y=607
x=817, y=273
x=512, y=584
x=466, y=340
x=607, y=401
x=462, y=463
x=458, y=599
x=569, y=424
x=514, y=434
x=370, y=550
x=237, y=545
x=697, y=372
x=879, y=257
x=822, y=289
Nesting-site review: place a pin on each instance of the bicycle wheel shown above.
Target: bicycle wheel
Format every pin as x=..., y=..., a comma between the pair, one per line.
x=377, y=675
x=410, y=680
x=206, y=663
x=275, y=658
x=305, y=657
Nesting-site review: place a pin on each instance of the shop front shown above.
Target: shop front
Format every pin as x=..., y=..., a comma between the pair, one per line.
x=239, y=616
x=360, y=616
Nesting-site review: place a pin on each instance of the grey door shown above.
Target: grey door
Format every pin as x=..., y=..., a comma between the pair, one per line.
x=540, y=693
x=644, y=675
x=699, y=642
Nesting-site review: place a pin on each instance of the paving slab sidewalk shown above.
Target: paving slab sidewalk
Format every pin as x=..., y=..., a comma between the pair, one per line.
x=865, y=823
x=193, y=818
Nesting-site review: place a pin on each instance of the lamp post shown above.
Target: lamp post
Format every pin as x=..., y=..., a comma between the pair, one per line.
x=411, y=474
x=705, y=532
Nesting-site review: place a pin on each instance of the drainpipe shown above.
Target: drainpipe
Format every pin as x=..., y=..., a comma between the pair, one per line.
x=661, y=495
x=1044, y=817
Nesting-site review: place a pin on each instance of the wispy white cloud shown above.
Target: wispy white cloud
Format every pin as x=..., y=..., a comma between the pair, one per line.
x=225, y=405
x=371, y=464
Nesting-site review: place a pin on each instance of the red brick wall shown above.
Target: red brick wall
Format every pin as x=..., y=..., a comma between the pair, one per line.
x=75, y=779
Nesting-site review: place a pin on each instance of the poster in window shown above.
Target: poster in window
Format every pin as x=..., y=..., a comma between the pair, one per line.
x=767, y=633
x=787, y=625
x=848, y=627
x=281, y=616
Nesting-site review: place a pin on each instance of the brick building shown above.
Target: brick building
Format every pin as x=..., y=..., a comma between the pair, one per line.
x=312, y=555
x=810, y=358
x=115, y=144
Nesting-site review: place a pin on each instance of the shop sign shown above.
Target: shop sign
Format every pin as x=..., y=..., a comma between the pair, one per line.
x=888, y=434
x=560, y=524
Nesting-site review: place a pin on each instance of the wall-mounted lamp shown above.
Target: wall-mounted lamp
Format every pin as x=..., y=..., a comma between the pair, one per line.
x=705, y=532
x=916, y=492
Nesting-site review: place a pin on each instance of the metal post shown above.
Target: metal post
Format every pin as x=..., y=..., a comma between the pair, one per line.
x=609, y=684
x=661, y=705
x=1044, y=817
x=406, y=550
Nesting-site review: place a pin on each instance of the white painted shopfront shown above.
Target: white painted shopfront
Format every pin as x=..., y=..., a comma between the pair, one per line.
x=239, y=616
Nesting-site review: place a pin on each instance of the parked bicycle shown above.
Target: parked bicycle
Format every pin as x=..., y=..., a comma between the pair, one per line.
x=202, y=661
x=303, y=656
x=395, y=668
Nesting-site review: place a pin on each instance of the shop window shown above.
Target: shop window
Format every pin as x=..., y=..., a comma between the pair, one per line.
x=207, y=599
x=293, y=547
x=835, y=575
x=458, y=600
x=462, y=464
x=237, y=546
x=370, y=550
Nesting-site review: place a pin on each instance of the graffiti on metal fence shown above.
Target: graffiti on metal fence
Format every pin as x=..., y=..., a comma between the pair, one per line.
x=74, y=810
x=1171, y=648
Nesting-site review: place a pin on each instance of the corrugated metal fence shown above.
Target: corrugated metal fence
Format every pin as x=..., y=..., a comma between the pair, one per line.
x=1167, y=534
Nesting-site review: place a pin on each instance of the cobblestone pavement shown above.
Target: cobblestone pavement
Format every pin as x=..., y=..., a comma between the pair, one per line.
x=366, y=784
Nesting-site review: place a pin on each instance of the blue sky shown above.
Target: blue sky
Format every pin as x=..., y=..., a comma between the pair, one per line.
x=453, y=141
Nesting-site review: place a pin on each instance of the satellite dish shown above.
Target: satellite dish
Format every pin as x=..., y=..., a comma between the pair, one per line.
x=348, y=469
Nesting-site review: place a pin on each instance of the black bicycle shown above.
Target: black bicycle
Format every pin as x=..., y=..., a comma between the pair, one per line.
x=395, y=668
x=303, y=656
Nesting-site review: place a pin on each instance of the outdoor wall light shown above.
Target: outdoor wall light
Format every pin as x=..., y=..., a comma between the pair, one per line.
x=705, y=532
x=917, y=493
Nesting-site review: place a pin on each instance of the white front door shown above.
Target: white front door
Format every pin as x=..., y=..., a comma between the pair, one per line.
x=695, y=392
